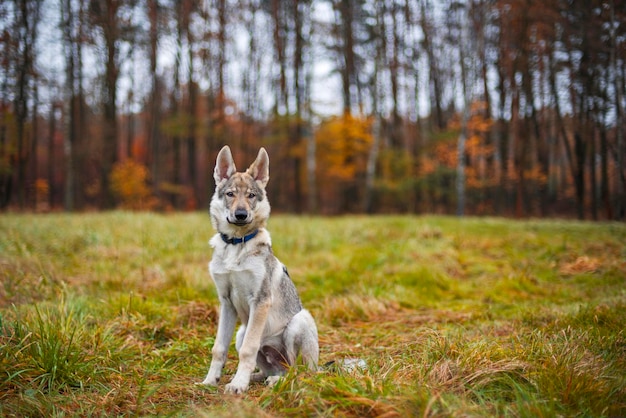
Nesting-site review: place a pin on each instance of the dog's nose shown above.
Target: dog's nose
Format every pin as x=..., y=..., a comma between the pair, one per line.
x=241, y=214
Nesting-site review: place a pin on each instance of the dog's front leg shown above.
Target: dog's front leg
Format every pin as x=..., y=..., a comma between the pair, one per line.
x=249, y=348
x=225, y=329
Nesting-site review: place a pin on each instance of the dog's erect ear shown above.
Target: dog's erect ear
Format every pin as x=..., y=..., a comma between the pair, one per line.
x=260, y=168
x=224, y=166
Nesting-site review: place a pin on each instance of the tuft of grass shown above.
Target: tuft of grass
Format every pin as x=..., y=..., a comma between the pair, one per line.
x=45, y=344
x=115, y=314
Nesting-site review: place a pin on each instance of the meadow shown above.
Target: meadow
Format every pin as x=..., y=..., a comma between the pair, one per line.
x=114, y=314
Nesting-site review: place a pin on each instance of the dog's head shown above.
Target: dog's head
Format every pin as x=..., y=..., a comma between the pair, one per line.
x=239, y=204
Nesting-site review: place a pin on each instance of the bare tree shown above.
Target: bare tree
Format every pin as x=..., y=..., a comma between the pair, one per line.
x=434, y=73
x=70, y=48
x=618, y=85
x=346, y=11
x=458, y=15
x=27, y=15
x=154, y=107
x=105, y=16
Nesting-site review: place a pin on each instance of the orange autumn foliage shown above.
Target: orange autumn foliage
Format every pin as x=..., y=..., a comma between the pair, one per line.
x=343, y=144
x=129, y=185
x=477, y=149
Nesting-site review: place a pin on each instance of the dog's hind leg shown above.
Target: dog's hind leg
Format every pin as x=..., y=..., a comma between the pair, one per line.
x=272, y=363
x=300, y=337
x=241, y=332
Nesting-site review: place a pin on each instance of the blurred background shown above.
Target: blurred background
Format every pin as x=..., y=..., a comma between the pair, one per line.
x=477, y=107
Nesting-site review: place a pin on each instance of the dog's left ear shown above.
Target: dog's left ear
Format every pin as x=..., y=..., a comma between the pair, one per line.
x=260, y=168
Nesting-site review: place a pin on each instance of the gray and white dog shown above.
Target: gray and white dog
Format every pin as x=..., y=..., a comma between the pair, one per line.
x=252, y=284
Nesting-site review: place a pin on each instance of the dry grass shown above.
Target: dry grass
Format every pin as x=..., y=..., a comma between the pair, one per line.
x=114, y=314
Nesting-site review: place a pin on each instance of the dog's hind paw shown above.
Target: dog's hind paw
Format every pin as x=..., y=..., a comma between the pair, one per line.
x=272, y=380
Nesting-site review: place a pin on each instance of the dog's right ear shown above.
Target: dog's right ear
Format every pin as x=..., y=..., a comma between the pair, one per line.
x=224, y=166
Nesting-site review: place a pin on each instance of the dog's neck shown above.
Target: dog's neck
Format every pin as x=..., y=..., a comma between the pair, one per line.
x=235, y=240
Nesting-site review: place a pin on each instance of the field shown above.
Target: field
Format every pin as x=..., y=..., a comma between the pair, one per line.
x=114, y=314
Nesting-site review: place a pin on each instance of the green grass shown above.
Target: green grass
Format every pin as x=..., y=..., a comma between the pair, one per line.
x=115, y=314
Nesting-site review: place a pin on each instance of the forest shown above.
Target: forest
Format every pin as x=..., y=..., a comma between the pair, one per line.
x=468, y=107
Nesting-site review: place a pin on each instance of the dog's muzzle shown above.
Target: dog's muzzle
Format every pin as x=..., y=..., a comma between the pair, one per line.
x=240, y=218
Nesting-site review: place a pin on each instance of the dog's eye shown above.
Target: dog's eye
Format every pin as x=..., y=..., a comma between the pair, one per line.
x=230, y=194
x=251, y=196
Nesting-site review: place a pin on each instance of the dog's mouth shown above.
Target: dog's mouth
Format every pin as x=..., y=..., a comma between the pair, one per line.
x=238, y=222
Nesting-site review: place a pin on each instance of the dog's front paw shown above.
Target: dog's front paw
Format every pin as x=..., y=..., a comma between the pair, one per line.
x=236, y=387
x=210, y=380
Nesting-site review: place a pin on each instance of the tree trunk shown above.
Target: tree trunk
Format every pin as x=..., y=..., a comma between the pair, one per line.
x=618, y=89
x=460, y=168
x=433, y=73
x=192, y=169
x=106, y=15
x=69, y=135
x=50, y=155
x=298, y=88
x=176, y=110
x=579, y=178
x=27, y=13
x=154, y=142
x=604, y=175
x=592, y=175
x=562, y=134
x=345, y=22
x=81, y=138
x=6, y=178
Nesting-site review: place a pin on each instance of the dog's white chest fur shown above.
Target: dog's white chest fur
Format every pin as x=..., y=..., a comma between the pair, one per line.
x=238, y=272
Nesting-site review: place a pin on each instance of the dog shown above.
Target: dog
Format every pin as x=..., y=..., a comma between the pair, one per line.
x=252, y=284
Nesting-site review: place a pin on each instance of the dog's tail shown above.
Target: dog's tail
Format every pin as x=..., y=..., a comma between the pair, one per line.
x=346, y=365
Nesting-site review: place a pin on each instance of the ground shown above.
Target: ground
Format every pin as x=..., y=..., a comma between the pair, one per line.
x=115, y=313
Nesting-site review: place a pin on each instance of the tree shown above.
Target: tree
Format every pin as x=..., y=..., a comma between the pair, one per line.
x=154, y=98
x=550, y=73
x=129, y=185
x=27, y=15
x=434, y=69
x=618, y=84
x=458, y=15
x=348, y=17
x=7, y=146
x=71, y=61
x=346, y=142
x=112, y=18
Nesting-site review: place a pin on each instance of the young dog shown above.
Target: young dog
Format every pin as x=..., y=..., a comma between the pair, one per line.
x=252, y=284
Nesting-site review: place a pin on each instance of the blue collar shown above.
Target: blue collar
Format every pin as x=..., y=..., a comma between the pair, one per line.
x=234, y=240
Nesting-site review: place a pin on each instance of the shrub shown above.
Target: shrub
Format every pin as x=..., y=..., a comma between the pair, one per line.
x=129, y=185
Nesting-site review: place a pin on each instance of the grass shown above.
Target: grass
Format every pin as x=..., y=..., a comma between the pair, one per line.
x=115, y=314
